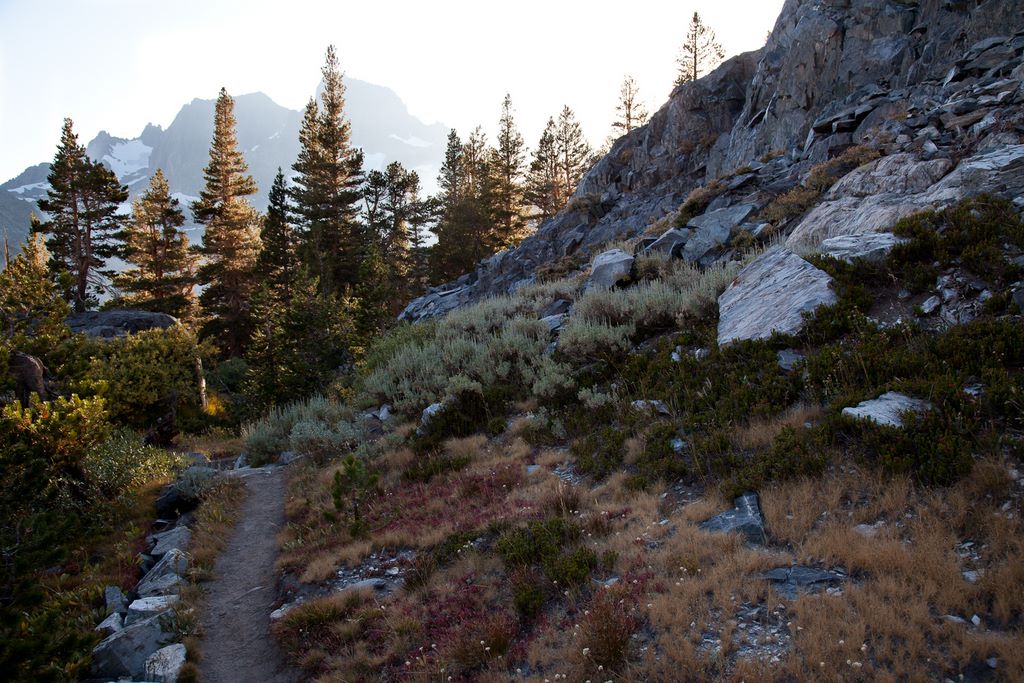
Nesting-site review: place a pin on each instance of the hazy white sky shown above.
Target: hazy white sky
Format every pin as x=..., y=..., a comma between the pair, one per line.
x=117, y=64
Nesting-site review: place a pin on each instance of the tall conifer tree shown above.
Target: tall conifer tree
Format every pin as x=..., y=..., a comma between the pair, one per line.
x=84, y=224
x=277, y=264
x=507, y=171
x=231, y=241
x=574, y=152
x=631, y=112
x=164, y=268
x=545, y=188
x=328, y=184
x=700, y=52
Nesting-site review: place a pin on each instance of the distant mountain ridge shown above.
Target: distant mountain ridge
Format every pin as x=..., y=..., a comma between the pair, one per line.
x=268, y=135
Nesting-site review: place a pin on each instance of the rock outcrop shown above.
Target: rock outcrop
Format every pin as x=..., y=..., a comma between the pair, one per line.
x=771, y=296
x=935, y=86
x=109, y=324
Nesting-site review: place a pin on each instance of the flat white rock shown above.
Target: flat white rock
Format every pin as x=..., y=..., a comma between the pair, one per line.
x=888, y=409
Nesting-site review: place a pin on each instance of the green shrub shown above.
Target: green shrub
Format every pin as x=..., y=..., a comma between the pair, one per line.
x=122, y=464
x=324, y=428
x=147, y=375
x=599, y=453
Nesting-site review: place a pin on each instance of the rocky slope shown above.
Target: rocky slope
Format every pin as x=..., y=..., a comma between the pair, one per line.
x=934, y=86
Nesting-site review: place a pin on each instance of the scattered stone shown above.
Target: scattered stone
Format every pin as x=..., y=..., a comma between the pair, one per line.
x=771, y=295
x=112, y=624
x=869, y=530
x=677, y=445
x=931, y=304
x=241, y=461
x=177, y=538
x=532, y=469
x=789, y=581
x=873, y=247
x=976, y=620
x=124, y=653
x=671, y=242
x=975, y=390
x=555, y=322
x=677, y=354
x=427, y=415
x=992, y=662
x=557, y=307
x=165, y=577
x=745, y=518
x=144, y=608
x=164, y=665
x=609, y=268
x=971, y=576
x=288, y=457
x=789, y=359
x=888, y=409
x=713, y=229
x=655, y=406
x=115, y=600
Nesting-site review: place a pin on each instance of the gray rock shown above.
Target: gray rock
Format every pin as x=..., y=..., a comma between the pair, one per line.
x=791, y=581
x=887, y=409
x=873, y=247
x=112, y=624
x=771, y=295
x=651, y=406
x=1018, y=299
x=788, y=359
x=609, y=268
x=124, y=653
x=745, y=518
x=557, y=307
x=176, y=538
x=383, y=413
x=671, y=242
x=145, y=608
x=115, y=600
x=164, y=665
x=869, y=530
x=930, y=305
x=165, y=577
x=713, y=229
x=555, y=322
x=241, y=461
x=109, y=324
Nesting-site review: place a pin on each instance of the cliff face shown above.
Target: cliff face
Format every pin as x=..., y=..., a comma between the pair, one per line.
x=833, y=73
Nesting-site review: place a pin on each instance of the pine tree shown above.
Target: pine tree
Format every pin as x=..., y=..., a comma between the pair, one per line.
x=631, y=111
x=544, y=187
x=298, y=349
x=507, y=172
x=154, y=243
x=461, y=207
x=231, y=241
x=419, y=252
x=277, y=264
x=328, y=185
x=700, y=52
x=83, y=226
x=375, y=295
x=574, y=153
x=32, y=309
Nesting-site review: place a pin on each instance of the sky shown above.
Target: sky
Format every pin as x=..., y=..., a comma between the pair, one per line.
x=117, y=65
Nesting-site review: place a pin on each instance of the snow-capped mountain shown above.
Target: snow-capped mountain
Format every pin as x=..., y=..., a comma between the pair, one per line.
x=268, y=135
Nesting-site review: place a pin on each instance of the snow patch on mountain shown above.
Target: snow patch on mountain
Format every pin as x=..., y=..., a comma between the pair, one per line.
x=128, y=157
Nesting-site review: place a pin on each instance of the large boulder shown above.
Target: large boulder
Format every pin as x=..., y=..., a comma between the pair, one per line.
x=670, y=243
x=869, y=247
x=184, y=493
x=713, y=229
x=164, y=665
x=165, y=576
x=124, y=653
x=609, y=268
x=875, y=196
x=109, y=324
x=144, y=608
x=771, y=295
x=176, y=539
x=888, y=409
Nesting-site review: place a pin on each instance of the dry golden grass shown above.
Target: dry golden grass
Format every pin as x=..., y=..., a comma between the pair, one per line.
x=214, y=522
x=469, y=447
x=760, y=433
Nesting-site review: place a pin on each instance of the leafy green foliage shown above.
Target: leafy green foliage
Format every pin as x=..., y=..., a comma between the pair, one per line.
x=145, y=376
x=554, y=545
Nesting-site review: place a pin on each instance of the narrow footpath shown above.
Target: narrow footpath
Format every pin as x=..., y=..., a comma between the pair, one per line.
x=237, y=645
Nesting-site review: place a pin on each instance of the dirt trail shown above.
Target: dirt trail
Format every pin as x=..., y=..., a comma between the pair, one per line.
x=237, y=645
